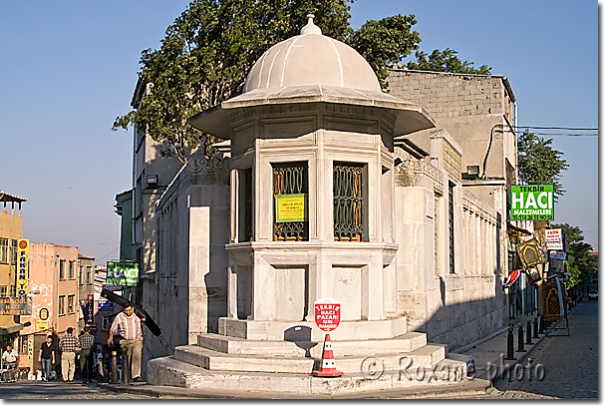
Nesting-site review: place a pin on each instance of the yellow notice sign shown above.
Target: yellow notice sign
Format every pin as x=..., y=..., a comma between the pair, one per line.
x=41, y=325
x=290, y=207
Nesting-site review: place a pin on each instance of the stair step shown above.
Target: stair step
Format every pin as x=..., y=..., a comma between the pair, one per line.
x=407, y=342
x=168, y=371
x=426, y=357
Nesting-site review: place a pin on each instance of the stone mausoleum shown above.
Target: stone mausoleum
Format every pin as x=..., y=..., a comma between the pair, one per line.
x=327, y=187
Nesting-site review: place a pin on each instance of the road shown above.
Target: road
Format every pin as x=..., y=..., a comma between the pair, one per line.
x=59, y=390
x=570, y=363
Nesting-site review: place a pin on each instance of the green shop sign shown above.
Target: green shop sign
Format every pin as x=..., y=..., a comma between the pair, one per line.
x=532, y=202
x=122, y=273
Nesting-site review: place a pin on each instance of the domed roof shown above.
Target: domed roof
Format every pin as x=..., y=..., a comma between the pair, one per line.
x=311, y=59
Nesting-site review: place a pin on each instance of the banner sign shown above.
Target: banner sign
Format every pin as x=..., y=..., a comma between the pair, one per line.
x=105, y=305
x=532, y=202
x=122, y=274
x=15, y=306
x=327, y=314
x=553, y=235
x=558, y=255
x=23, y=267
x=290, y=208
x=90, y=310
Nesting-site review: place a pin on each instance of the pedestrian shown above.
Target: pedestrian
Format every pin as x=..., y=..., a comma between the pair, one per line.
x=99, y=364
x=86, y=355
x=10, y=357
x=47, y=358
x=56, y=369
x=129, y=327
x=69, y=344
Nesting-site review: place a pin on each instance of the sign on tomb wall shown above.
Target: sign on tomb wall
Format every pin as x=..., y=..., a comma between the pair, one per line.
x=290, y=208
x=532, y=202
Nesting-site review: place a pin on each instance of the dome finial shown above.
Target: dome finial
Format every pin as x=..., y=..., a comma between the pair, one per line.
x=311, y=28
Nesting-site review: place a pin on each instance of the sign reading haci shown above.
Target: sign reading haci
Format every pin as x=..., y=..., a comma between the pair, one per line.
x=327, y=314
x=290, y=208
x=532, y=202
x=122, y=273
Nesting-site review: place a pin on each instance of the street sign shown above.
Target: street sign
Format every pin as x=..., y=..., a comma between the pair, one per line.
x=553, y=235
x=532, y=202
x=15, y=306
x=558, y=255
x=327, y=314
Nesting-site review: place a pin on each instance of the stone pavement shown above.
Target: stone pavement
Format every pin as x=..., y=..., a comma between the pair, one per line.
x=489, y=358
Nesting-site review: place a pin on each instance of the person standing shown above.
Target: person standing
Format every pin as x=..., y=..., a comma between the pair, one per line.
x=86, y=360
x=129, y=327
x=47, y=358
x=68, y=345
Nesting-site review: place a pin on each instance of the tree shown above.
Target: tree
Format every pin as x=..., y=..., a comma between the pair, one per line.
x=581, y=264
x=539, y=163
x=445, y=61
x=210, y=48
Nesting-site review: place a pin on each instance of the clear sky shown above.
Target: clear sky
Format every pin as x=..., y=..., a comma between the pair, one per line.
x=68, y=68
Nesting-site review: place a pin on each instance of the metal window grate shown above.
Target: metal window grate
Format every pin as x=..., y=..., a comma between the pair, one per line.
x=451, y=230
x=348, y=202
x=291, y=179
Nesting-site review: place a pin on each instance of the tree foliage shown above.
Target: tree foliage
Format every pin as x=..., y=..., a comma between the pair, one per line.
x=539, y=163
x=581, y=264
x=445, y=61
x=208, y=51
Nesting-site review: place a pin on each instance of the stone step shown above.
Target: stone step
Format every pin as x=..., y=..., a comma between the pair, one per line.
x=426, y=356
x=168, y=371
x=227, y=344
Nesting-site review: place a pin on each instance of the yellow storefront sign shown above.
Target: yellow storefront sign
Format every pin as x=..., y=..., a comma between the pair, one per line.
x=22, y=267
x=41, y=325
x=290, y=208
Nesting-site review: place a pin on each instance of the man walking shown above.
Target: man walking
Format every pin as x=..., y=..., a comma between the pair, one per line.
x=47, y=358
x=68, y=345
x=86, y=361
x=129, y=327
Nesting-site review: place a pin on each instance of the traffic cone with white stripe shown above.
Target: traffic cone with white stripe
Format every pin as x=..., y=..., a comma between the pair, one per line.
x=328, y=362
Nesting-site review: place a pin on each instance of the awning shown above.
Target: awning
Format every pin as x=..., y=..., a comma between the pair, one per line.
x=9, y=328
x=512, y=278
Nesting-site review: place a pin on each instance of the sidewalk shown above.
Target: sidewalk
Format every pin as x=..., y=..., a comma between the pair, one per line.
x=489, y=359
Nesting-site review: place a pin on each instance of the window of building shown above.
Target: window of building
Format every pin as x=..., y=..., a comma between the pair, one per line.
x=71, y=270
x=61, y=269
x=15, y=249
x=13, y=291
x=290, y=191
x=3, y=290
x=451, y=229
x=349, y=213
x=247, y=201
x=70, y=304
x=81, y=275
x=61, y=305
x=3, y=250
x=89, y=275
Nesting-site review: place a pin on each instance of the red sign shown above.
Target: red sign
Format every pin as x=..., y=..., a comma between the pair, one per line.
x=327, y=314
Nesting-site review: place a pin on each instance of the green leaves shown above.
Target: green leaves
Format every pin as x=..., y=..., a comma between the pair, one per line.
x=208, y=51
x=445, y=61
x=539, y=163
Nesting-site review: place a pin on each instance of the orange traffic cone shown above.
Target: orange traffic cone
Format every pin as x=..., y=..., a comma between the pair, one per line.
x=328, y=363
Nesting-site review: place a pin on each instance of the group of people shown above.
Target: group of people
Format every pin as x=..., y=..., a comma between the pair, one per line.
x=70, y=346
x=126, y=323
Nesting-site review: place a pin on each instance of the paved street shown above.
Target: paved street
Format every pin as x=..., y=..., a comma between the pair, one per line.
x=570, y=363
x=59, y=390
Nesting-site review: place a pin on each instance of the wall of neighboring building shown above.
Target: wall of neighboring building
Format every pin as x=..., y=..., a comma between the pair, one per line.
x=469, y=107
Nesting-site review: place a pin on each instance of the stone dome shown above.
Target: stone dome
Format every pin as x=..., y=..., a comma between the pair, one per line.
x=311, y=59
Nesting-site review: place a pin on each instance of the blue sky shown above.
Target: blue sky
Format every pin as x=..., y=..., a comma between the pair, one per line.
x=68, y=68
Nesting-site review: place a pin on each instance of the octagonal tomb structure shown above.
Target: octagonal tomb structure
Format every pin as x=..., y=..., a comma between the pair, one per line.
x=312, y=192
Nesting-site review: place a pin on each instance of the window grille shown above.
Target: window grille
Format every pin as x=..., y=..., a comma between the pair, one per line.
x=451, y=229
x=3, y=250
x=348, y=223
x=15, y=248
x=290, y=189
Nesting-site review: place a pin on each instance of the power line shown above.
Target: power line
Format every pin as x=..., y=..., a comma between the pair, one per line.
x=546, y=134
x=559, y=128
